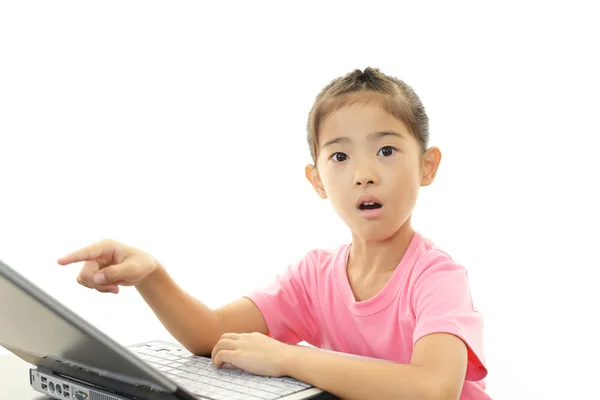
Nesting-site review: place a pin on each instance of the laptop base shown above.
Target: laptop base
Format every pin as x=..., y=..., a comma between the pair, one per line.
x=58, y=387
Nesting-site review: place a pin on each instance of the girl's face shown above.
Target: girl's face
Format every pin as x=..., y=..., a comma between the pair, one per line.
x=371, y=169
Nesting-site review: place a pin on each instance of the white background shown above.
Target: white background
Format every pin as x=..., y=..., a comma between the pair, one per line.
x=179, y=128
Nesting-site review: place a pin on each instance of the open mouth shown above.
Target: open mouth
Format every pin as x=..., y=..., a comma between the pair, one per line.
x=369, y=205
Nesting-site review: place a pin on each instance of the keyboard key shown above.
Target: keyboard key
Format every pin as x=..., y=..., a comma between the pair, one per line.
x=176, y=365
x=175, y=372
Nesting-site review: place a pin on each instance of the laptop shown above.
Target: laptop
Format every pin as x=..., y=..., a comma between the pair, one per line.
x=71, y=359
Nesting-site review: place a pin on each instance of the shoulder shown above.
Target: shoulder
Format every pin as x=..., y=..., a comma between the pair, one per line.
x=430, y=258
x=438, y=278
x=323, y=257
x=318, y=261
x=435, y=272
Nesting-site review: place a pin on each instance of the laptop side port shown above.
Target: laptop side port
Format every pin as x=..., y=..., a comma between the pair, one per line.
x=78, y=395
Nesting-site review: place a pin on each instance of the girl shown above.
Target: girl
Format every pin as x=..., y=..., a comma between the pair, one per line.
x=390, y=295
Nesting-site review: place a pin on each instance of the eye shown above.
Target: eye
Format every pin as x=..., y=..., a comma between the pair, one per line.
x=339, y=157
x=386, y=151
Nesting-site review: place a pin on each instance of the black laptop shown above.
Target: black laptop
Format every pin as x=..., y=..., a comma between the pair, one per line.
x=71, y=359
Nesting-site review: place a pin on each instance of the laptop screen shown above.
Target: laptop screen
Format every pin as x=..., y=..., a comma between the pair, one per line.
x=43, y=332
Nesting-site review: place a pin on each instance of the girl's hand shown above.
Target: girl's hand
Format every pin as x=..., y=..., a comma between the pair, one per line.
x=252, y=352
x=110, y=264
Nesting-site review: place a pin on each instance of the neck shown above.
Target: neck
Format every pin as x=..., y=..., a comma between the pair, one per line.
x=374, y=257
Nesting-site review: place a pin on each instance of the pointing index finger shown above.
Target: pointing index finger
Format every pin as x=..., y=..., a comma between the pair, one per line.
x=89, y=253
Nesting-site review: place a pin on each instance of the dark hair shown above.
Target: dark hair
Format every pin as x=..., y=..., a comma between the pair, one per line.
x=370, y=85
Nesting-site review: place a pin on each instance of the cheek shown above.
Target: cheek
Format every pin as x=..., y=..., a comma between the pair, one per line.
x=406, y=186
x=332, y=188
x=336, y=186
x=332, y=177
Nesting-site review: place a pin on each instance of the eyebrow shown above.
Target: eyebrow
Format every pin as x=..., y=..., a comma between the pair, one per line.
x=371, y=136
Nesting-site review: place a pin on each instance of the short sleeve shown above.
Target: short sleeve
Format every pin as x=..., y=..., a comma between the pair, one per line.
x=442, y=303
x=287, y=303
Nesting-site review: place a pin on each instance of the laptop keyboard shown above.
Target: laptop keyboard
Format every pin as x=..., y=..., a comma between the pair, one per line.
x=199, y=376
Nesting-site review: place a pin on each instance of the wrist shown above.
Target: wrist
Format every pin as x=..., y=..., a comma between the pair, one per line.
x=154, y=277
x=289, y=356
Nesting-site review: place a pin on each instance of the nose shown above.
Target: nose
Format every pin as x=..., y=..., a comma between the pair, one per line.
x=365, y=176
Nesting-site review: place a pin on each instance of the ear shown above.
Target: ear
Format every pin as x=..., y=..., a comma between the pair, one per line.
x=312, y=174
x=429, y=165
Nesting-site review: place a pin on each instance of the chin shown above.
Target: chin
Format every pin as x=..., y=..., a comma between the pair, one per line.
x=374, y=235
x=379, y=230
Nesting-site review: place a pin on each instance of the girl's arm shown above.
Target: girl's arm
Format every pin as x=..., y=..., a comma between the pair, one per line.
x=190, y=321
x=437, y=371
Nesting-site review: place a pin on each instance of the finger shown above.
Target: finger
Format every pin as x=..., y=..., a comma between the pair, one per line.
x=89, y=253
x=86, y=275
x=101, y=288
x=115, y=273
x=230, y=335
x=223, y=344
x=86, y=278
x=82, y=282
x=225, y=356
x=108, y=289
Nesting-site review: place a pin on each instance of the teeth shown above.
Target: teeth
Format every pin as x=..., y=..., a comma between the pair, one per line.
x=369, y=203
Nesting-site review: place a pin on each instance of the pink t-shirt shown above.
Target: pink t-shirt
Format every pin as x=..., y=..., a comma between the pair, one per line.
x=312, y=301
